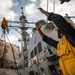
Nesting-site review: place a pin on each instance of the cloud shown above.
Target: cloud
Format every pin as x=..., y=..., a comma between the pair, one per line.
x=13, y=39
x=30, y=9
x=43, y=4
x=22, y=0
x=15, y=3
x=62, y=9
x=66, y=8
x=47, y=4
x=33, y=0
x=5, y=9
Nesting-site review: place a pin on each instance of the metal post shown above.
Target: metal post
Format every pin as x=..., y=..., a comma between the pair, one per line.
x=47, y=5
x=54, y=6
x=23, y=40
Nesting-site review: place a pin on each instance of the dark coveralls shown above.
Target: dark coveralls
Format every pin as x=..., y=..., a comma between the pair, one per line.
x=63, y=27
x=65, y=49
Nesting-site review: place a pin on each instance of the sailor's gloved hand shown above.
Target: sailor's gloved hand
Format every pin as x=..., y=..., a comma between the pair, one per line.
x=42, y=11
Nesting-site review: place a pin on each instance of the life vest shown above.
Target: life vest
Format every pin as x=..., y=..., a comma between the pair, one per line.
x=66, y=52
x=4, y=24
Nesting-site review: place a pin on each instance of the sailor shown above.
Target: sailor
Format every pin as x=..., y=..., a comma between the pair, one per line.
x=4, y=25
x=65, y=46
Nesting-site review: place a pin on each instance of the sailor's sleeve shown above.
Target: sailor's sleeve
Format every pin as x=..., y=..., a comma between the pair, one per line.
x=50, y=41
x=63, y=26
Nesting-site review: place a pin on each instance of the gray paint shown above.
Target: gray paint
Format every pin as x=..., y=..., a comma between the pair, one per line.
x=32, y=43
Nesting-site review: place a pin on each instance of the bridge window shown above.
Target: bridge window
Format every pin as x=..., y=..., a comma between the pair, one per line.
x=39, y=47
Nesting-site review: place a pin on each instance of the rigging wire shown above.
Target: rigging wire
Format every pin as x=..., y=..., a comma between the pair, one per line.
x=11, y=49
x=3, y=51
x=16, y=30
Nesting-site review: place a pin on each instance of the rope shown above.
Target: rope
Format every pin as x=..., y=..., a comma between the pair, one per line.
x=1, y=36
x=3, y=52
x=12, y=52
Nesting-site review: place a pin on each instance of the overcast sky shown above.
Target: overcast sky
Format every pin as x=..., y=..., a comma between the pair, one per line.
x=11, y=10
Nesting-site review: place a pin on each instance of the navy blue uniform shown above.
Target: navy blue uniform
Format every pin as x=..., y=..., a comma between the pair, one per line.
x=63, y=27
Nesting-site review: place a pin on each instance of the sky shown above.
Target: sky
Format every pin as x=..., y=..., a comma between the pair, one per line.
x=11, y=10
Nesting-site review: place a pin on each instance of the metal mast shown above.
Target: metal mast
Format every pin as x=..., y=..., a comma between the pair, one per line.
x=23, y=40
